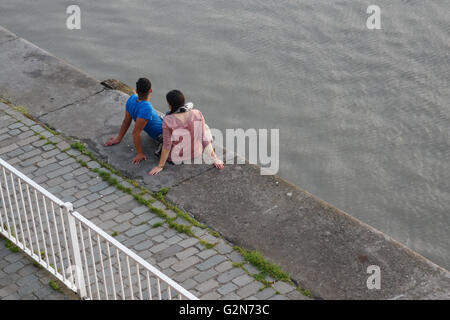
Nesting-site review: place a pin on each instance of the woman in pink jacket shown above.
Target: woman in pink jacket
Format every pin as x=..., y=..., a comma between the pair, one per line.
x=184, y=135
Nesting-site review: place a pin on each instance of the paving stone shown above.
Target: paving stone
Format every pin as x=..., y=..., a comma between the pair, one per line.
x=155, y=231
x=27, y=270
x=93, y=196
x=124, y=199
x=159, y=247
x=207, y=286
x=137, y=230
x=67, y=161
x=98, y=187
x=81, y=201
x=282, y=287
x=182, y=276
x=131, y=242
x=279, y=297
x=107, y=225
x=28, y=288
x=108, y=191
x=48, y=147
x=15, y=153
x=110, y=198
x=243, y=280
x=230, y=275
x=265, y=294
x=14, y=132
x=207, y=253
x=8, y=290
x=230, y=296
x=251, y=269
x=109, y=215
x=143, y=245
x=13, y=267
x=63, y=145
x=236, y=257
x=167, y=262
x=210, y=238
x=122, y=227
x=93, y=165
x=189, y=284
x=174, y=239
x=15, y=125
x=223, y=248
x=224, y=266
x=122, y=217
x=186, y=263
x=211, y=262
x=46, y=162
x=50, y=154
x=187, y=253
x=210, y=296
x=170, y=251
x=80, y=171
x=13, y=257
x=227, y=288
x=249, y=290
x=10, y=148
x=59, y=172
x=188, y=242
x=95, y=204
x=29, y=140
x=139, y=210
x=205, y=275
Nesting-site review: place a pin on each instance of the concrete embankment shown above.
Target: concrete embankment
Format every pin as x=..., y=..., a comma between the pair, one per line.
x=324, y=249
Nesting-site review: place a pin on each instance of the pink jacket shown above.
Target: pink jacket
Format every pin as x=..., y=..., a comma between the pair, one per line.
x=185, y=140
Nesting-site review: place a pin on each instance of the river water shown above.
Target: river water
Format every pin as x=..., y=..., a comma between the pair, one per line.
x=363, y=114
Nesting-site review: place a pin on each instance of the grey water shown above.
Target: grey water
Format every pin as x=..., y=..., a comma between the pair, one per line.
x=364, y=115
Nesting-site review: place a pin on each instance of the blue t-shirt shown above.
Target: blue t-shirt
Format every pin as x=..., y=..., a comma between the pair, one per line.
x=144, y=110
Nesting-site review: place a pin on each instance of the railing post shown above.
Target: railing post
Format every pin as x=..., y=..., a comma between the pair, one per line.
x=73, y=238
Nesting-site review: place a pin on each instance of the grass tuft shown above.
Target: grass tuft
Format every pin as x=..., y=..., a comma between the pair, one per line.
x=54, y=286
x=11, y=246
x=256, y=259
x=158, y=224
x=304, y=292
x=207, y=245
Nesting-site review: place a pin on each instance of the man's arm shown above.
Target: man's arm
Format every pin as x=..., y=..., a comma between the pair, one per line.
x=138, y=127
x=123, y=129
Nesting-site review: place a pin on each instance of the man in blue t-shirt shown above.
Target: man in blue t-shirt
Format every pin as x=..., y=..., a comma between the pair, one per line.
x=139, y=109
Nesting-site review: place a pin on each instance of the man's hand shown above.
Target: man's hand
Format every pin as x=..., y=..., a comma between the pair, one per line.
x=112, y=141
x=139, y=158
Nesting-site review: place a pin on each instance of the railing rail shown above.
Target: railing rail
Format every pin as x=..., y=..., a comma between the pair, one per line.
x=76, y=251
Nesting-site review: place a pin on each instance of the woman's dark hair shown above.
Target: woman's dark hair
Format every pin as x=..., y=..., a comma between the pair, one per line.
x=176, y=99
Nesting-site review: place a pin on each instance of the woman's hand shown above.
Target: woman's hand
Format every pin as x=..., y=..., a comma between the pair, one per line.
x=218, y=164
x=155, y=171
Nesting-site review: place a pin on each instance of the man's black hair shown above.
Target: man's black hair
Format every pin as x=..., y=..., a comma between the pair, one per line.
x=143, y=86
x=176, y=99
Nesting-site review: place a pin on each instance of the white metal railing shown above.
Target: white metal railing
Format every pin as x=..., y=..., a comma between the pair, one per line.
x=76, y=251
